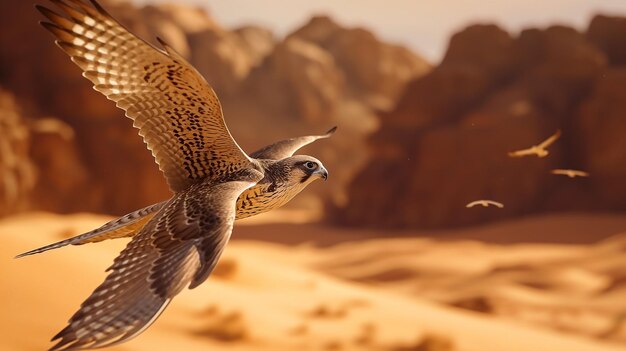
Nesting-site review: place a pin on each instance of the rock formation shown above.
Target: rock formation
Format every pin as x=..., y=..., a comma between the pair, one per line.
x=17, y=172
x=446, y=142
x=375, y=71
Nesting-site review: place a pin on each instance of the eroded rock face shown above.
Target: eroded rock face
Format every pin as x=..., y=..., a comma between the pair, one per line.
x=39, y=165
x=257, y=41
x=60, y=173
x=558, y=65
x=432, y=174
x=17, y=172
x=375, y=71
x=299, y=78
x=446, y=142
x=484, y=47
x=609, y=34
x=600, y=127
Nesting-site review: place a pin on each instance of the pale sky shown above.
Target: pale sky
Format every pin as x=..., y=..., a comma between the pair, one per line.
x=424, y=26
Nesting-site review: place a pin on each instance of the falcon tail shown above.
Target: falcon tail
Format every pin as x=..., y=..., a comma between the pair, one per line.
x=121, y=227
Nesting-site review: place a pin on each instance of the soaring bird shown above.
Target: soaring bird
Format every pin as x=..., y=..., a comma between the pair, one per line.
x=484, y=203
x=175, y=243
x=273, y=191
x=572, y=173
x=539, y=150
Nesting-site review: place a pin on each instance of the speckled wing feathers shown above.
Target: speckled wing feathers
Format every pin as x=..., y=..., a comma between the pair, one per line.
x=178, y=247
x=176, y=111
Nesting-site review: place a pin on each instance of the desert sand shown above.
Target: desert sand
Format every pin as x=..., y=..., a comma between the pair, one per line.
x=346, y=291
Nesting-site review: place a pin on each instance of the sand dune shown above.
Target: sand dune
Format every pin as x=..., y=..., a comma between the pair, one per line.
x=578, y=289
x=268, y=296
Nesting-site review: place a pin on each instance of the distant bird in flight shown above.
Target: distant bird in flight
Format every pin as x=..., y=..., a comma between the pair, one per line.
x=484, y=203
x=572, y=173
x=539, y=150
x=175, y=243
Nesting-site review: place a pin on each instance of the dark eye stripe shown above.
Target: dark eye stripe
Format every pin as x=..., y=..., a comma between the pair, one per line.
x=305, y=178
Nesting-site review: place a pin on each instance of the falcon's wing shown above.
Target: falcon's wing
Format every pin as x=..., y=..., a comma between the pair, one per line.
x=581, y=173
x=550, y=140
x=521, y=153
x=473, y=203
x=176, y=111
x=484, y=203
x=286, y=148
x=559, y=172
x=570, y=172
x=495, y=203
x=118, y=228
x=178, y=247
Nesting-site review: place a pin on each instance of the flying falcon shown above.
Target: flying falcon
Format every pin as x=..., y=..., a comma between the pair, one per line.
x=539, y=150
x=175, y=243
x=572, y=173
x=484, y=203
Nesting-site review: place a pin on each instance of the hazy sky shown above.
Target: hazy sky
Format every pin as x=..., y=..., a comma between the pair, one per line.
x=425, y=26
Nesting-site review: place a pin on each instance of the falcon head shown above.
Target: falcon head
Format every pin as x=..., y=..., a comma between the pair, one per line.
x=305, y=169
x=283, y=180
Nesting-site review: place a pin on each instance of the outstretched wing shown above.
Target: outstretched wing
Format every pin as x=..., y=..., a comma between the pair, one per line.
x=560, y=172
x=550, y=140
x=178, y=247
x=474, y=203
x=176, y=111
x=495, y=203
x=581, y=173
x=286, y=148
x=121, y=227
x=522, y=153
x=484, y=203
x=570, y=172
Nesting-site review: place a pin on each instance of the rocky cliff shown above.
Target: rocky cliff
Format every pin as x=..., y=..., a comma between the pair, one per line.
x=446, y=142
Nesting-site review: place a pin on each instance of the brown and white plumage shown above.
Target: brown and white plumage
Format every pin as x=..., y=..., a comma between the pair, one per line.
x=484, y=203
x=538, y=150
x=178, y=247
x=283, y=180
x=175, y=243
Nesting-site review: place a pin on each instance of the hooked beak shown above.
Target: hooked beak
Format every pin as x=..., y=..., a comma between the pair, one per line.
x=322, y=173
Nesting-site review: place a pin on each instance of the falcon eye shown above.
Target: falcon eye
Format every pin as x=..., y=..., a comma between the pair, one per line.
x=310, y=165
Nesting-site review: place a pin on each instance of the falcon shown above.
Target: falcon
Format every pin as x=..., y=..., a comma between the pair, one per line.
x=539, y=150
x=572, y=173
x=484, y=203
x=175, y=243
x=273, y=191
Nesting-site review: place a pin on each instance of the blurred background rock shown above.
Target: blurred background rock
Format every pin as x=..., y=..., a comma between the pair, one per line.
x=416, y=140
